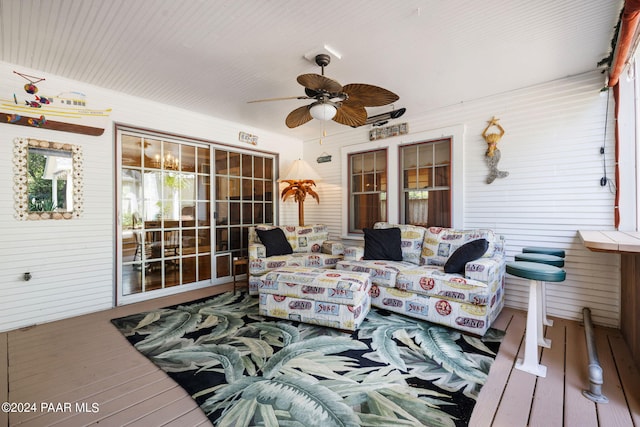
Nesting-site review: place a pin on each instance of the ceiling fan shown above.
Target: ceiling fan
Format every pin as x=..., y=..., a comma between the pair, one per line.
x=332, y=101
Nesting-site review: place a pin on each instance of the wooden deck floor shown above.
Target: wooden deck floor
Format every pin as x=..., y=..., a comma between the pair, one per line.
x=82, y=371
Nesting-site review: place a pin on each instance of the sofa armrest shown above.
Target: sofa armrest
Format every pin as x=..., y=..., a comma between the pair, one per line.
x=487, y=270
x=257, y=250
x=332, y=247
x=353, y=253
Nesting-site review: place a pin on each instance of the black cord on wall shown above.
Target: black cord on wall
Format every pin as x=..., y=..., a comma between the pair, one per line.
x=604, y=180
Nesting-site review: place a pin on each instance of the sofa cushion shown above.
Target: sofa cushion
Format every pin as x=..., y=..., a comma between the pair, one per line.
x=253, y=232
x=275, y=242
x=260, y=264
x=382, y=244
x=440, y=243
x=306, y=238
x=431, y=280
x=342, y=287
x=456, y=314
x=383, y=273
x=468, y=252
x=411, y=237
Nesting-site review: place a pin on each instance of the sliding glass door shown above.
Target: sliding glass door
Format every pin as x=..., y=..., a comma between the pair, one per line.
x=169, y=197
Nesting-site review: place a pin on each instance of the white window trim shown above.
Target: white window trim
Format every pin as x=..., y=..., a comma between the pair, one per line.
x=628, y=146
x=457, y=135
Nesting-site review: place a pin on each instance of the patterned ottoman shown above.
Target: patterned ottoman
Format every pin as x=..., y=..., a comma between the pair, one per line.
x=338, y=299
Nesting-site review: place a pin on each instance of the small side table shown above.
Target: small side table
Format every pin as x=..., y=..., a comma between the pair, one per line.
x=236, y=263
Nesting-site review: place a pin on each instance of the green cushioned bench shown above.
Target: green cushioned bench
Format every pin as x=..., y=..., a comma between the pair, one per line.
x=556, y=261
x=536, y=271
x=547, y=251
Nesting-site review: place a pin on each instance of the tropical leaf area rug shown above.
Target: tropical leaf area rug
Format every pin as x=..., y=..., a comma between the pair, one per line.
x=247, y=370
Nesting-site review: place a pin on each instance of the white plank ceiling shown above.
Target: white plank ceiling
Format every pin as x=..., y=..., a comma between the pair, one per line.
x=212, y=56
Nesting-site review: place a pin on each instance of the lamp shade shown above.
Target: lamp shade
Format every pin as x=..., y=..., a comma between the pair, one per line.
x=322, y=111
x=300, y=171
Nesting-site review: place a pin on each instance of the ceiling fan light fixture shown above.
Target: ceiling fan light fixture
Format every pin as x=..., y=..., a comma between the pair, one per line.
x=322, y=111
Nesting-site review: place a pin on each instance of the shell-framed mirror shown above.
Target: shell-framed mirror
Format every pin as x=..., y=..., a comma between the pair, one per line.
x=48, y=179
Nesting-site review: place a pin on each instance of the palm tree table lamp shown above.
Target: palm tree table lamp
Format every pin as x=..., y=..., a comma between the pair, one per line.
x=301, y=178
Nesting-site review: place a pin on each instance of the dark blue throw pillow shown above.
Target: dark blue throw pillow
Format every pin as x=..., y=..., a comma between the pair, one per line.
x=275, y=242
x=468, y=252
x=382, y=244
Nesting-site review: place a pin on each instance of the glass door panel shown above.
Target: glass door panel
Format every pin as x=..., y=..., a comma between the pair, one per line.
x=187, y=158
x=243, y=198
x=166, y=210
x=131, y=151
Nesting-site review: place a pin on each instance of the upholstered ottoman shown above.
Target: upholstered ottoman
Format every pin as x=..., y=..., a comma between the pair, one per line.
x=338, y=299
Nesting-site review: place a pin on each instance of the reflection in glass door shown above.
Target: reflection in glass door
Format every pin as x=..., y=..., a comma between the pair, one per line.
x=165, y=214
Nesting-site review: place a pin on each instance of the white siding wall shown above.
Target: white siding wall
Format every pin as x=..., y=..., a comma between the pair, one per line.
x=551, y=150
x=72, y=262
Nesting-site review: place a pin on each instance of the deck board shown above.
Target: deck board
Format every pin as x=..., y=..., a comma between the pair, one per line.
x=137, y=400
x=158, y=416
x=190, y=418
x=547, y=409
x=615, y=411
x=4, y=376
x=628, y=374
x=153, y=406
x=93, y=362
x=491, y=394
x=578, y=410
x=518, y=391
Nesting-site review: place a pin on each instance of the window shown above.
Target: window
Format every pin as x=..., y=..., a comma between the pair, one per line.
x=367, y=189
x=426, y=183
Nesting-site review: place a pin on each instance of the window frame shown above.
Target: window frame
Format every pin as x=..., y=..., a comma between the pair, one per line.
x=431, y=187
x=627, y=178
x=351, y=209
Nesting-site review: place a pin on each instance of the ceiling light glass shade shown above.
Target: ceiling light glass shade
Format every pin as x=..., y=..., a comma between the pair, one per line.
x=322, y=111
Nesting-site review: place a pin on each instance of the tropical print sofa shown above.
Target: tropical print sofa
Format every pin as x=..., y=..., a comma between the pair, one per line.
x=418, y=286
x=310, y=245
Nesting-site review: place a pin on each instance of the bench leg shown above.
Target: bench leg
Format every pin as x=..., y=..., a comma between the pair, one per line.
x=541, y=314
x=545, y=320
x=534, y=322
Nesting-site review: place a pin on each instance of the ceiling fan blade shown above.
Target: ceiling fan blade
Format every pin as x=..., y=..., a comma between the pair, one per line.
x=368, y=95
x=351, y=115
x=298, y=117
x=278, y=99
x=319, y=83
